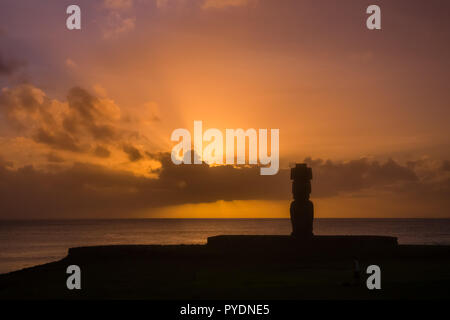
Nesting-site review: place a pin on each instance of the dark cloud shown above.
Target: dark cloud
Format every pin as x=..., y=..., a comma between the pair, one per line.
x=5, y=164
x=58, y=140
x=83, y=103
x=54, y=158
x=133, y=153
x=81, y=125
x=446, y=165
x=8, y=67
x=21, y=97
x=31, y=113
x=28, y=108
x=332, y=178
x=85, y=189
x=87, y=113
x=102, y=152
x=25, y=108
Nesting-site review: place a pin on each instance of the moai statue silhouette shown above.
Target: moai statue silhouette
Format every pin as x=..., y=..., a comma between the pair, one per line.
x=302, y=209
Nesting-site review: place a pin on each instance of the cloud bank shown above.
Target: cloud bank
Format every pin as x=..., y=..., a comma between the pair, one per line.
x=94, y=190
x=83, y=128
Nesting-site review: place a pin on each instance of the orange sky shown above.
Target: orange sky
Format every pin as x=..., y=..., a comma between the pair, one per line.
x=141, y=69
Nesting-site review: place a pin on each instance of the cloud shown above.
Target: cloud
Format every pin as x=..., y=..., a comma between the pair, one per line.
x=163, y=4
x=4, y=163
x=446, y=165
x=117, y=25
x=8, y=67
x=57, y=124
x=118, y=4
x=57, y=140
x=70, y=63
x=52, y=157
x=220, y=4
x=334, y=178
x=84, y=189
x=119, y=19
x=83, y=128
x=26, y=107
x=102, y=152
x=204, y=4
x=133, y=153
x=91, y=115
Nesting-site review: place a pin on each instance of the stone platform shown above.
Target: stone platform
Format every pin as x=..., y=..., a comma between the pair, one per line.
x=247, y=247
x=322, y=244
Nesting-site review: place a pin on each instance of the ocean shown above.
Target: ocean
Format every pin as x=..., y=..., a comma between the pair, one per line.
x=29, y=243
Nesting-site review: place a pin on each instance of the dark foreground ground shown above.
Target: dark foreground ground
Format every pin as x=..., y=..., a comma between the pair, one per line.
x=233, y=271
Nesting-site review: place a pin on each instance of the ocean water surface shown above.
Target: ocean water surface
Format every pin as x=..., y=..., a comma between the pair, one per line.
x=29, y=243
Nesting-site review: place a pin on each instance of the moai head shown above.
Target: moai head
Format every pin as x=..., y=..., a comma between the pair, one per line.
x=301, y=184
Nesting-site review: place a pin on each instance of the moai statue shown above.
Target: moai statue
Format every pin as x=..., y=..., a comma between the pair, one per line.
x=302, y=209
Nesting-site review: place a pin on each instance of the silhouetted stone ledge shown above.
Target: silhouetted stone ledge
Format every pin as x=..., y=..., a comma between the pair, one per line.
x=136, y=251
x=316, y=243
x=251, y=245
x=240, y=267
